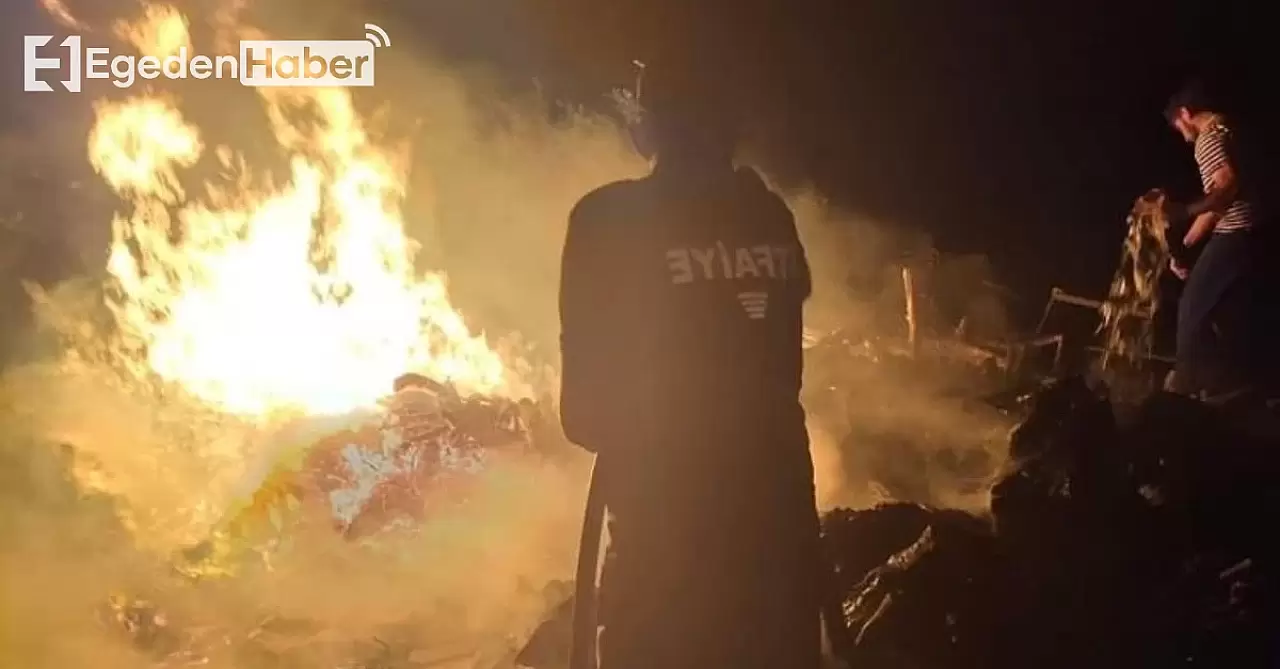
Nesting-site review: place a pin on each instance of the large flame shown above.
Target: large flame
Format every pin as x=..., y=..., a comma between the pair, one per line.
x=161, y=31
x=255, y=299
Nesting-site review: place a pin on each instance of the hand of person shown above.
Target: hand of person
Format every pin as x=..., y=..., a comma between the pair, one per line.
x=1200, y=228
x=1177, y=268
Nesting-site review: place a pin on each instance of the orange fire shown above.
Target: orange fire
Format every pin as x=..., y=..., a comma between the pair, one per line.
x=297, y=297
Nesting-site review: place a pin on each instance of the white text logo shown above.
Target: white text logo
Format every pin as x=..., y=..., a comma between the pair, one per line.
x=755, y=303
x=259, y=63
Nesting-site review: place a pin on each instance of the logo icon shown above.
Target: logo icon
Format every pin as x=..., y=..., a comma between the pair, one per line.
x=755, y=303
x=33, y=63
x=376, y=36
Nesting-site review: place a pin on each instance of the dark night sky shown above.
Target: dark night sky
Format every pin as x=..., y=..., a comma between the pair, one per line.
x=1019, y=128
x=1024, y=129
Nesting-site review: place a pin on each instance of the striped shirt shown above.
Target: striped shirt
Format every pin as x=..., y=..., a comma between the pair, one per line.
x=1211, y=155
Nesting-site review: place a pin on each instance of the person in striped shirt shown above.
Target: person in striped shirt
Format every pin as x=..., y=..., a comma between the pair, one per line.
x=1214, y=310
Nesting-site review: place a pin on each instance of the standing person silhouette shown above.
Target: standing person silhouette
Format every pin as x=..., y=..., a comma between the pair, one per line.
x=1214, y=343
x=680, y=309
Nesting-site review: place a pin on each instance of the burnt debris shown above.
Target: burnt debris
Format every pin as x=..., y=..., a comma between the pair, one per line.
x=1107, y=543
x=1110, y=544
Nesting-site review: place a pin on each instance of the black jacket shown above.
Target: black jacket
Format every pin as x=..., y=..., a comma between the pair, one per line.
x=680, y=311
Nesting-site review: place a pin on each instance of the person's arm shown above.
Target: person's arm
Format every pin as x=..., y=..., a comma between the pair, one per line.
x=586, y=340
x=1202, y=226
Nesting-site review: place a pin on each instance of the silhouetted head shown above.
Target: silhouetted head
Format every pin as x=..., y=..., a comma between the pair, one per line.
x=1190, y=111
x=690, y=122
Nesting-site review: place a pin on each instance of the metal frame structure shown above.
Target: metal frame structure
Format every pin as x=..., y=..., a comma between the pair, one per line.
x=1060, y=296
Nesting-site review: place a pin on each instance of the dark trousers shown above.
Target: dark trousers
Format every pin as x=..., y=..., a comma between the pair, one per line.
x=1216, y=351
x=711, y=570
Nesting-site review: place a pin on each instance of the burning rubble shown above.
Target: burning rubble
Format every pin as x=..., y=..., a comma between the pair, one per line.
x=389, y=471
x=913, y=425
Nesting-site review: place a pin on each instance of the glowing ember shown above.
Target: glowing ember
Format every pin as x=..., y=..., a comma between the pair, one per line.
x=260, y=299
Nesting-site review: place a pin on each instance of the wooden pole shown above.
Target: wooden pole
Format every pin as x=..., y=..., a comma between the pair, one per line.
x=909, y=291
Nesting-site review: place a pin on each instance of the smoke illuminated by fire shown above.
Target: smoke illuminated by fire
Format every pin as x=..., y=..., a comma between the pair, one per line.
x=257, y=299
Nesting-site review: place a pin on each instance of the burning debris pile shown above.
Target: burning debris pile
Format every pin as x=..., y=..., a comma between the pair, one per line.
x=387, y=472
x=1142, y=544
x=911, y=428
x=362, y=498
